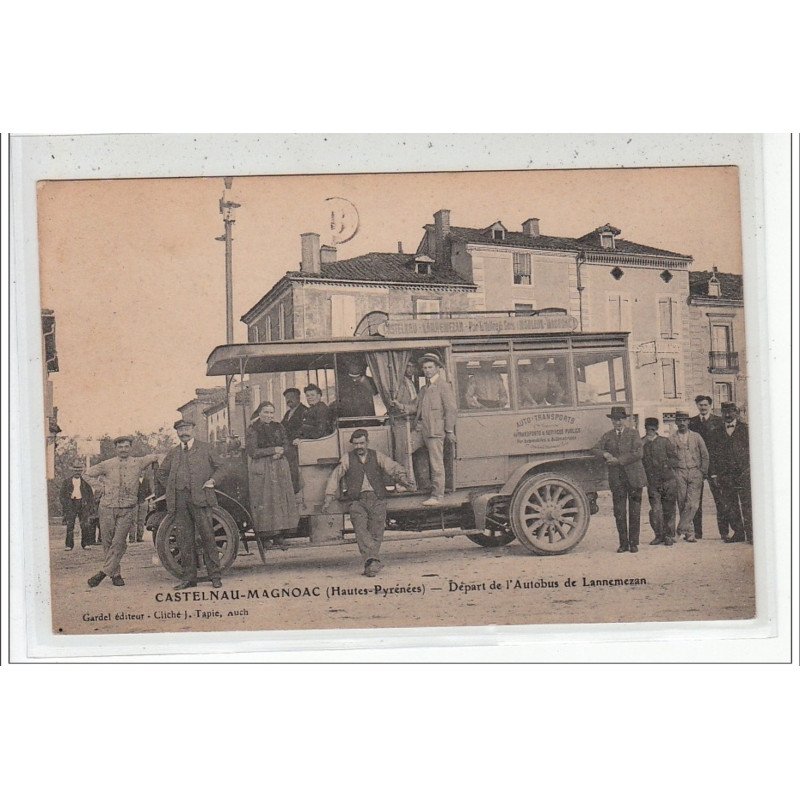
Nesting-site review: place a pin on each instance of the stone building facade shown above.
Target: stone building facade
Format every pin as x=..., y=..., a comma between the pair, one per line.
x=717, y=337
x=194, y=409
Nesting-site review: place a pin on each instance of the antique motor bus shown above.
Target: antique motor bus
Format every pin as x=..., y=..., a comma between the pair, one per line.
x=532, y=396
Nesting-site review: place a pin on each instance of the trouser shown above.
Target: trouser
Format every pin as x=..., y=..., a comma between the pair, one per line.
x=737, y=504
x=368, y=515
x=690, y=482
x=137, y=534
x=72, y=511
x=662, y=499
x=435, y=447
x=191, y=519
x=115, y=527
x=722, y=522
x=294, y=466
x=627, y=512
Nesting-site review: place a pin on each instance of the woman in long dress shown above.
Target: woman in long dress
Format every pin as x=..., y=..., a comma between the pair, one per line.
x=272, y=501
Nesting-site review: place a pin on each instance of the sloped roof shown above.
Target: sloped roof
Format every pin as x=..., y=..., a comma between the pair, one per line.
x=384, y=268
x=730, y=286
x=591, y=241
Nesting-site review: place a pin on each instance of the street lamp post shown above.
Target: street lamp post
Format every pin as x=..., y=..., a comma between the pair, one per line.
x=227, y=209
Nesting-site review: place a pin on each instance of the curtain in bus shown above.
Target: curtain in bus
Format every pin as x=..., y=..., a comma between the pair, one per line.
x=387, y=370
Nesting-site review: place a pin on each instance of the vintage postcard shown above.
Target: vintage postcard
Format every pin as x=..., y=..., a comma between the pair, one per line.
x=405, y=400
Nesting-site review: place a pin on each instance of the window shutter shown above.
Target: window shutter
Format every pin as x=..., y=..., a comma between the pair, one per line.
x=613, y=315
x=665, y=317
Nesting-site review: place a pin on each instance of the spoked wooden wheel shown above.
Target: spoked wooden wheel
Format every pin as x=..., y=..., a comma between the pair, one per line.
x=225, y=532
x=549, y=514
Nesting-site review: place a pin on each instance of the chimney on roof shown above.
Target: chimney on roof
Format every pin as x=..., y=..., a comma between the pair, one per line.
x=327, y=254
x=531, y=227
x=309, y=253
x=399, y=247
x=441, y=230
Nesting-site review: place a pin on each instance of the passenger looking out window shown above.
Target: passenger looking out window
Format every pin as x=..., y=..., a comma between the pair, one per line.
x=486, y=383
x=542, y=381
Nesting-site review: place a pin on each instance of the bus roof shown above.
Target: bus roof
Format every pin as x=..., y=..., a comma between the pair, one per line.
x=302, y=354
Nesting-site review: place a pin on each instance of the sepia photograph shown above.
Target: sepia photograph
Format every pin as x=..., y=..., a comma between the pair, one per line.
x=395, y=400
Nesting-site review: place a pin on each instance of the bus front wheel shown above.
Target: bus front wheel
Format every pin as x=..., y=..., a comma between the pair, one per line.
x=225, y=532
x=549, y=514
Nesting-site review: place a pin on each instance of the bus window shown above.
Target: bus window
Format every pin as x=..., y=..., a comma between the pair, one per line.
x=542, y=381
x=482, y=383
x=600, y=378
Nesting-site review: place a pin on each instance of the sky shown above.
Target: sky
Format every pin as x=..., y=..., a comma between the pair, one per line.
x=137, y=281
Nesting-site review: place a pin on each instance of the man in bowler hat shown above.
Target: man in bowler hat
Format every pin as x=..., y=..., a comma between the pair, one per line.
x=190, y=472
x=731, y=470
x=621, y=449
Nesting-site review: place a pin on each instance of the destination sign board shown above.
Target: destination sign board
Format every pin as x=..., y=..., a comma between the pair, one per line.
x=436, y=326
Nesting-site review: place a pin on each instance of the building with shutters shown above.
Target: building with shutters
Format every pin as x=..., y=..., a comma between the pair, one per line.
x=606, y=282
x=717, y=340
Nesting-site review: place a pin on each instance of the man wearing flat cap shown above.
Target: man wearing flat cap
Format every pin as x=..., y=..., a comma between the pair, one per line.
x=731, y=469
x=76, y=497
x=690, y=473
x=621, y=449
x=660, y=460
x=435, y=421
x=190, y=472
x=120, y=485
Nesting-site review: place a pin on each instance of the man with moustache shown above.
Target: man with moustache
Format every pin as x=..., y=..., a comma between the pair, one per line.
x=660, y=460
x=118, y=505
x=707, y=424
x=731, y=469
x=691, y=470
x=622, y=451
x=190, y=472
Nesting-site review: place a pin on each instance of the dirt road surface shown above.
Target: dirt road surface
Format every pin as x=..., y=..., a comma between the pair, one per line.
x=431, y=582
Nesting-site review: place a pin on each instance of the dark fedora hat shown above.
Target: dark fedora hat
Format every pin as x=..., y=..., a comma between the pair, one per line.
x=183, y=423
x=431, y=357
x=651, y=422
x=729, y=406
x=617, y=412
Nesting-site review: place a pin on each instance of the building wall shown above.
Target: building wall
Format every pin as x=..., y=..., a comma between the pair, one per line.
x=553, y=282
x=632, y=303
x=702, y=381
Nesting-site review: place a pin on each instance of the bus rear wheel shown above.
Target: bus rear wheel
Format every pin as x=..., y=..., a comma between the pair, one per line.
x=549, y=514
x=225, y=532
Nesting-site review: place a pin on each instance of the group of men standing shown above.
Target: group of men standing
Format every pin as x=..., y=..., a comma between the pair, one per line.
x=705, y=447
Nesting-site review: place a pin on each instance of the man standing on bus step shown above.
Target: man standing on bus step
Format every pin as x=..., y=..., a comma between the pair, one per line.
x=366, y=473
x=118, y=504
x=707, y=424
x=621, y=449
x=190, y=472
x=660, y=460
x=690, y=474
x=435, y=421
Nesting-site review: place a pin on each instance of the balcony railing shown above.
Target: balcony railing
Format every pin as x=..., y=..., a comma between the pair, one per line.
x=723, y=361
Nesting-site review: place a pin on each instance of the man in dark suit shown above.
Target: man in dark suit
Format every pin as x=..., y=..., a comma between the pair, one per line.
x=190, y=471
x=76, y=503
x=730, y=467
x=660, y=460
x=621, y=449
x=293, y=425
x=707, y=424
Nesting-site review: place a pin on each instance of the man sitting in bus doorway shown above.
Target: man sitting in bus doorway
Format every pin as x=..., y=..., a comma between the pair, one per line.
x=435, y=421
x=622, y=451
x=366, y=473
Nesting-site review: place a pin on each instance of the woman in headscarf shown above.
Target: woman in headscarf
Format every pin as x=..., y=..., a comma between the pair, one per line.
x=272, y=501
